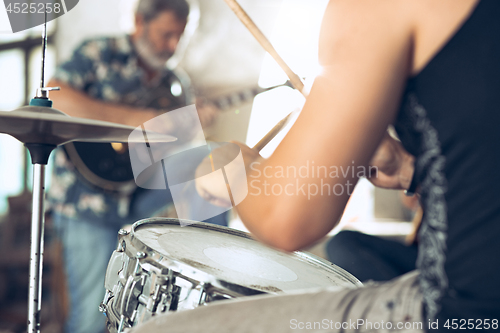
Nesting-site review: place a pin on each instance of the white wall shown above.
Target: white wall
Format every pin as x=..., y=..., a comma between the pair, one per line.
x=91, y=18
x=222, y=56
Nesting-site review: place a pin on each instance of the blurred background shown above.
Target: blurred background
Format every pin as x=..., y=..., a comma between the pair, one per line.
x=221, y=57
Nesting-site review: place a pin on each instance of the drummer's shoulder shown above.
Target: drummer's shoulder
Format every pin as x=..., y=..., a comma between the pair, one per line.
x=384, y=29
x=365, y=26
x=394, y=13
x=371, y=12
x=386, y=9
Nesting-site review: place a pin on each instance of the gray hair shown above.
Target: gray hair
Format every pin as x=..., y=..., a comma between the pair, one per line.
x=150, y=9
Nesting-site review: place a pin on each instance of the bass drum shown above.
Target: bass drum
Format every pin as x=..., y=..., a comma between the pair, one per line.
x=161, y=266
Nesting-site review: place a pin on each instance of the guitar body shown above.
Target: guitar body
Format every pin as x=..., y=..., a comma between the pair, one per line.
x=107, y=165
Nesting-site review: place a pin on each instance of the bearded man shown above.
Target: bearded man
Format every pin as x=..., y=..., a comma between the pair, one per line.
x=111, y=79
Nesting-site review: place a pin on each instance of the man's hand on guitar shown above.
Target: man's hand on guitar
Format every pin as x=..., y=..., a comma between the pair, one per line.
x=207, y=112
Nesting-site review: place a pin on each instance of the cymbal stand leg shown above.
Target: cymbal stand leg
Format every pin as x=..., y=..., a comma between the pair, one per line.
x=36, y=254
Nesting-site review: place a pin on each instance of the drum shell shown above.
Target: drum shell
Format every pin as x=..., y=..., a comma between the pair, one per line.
x=141, y=282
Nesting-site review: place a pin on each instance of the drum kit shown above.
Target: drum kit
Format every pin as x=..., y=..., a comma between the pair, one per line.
x=161, y=266
x=158, y=266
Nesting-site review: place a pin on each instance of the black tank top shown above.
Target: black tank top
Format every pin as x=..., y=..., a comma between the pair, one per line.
x=450, y=120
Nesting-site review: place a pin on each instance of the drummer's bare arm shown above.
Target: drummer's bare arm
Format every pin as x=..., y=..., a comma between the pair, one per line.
x=365, y=51
x=78, y=104
x=368, y=49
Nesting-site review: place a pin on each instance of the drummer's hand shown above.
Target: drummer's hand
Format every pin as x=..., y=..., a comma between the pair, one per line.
x=209, y=186
x=395, y=165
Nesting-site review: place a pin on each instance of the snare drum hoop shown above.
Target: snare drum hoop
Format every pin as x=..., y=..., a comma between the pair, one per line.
x=208, y=279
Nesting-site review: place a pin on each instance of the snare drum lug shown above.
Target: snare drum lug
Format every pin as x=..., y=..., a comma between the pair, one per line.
x=143, y=299
x=123, y=272
x=169, y=297
x=170, y=288
x=137, y=268
x=132, y=317
x=121, y=246
x=162, y=306
x=102, y=308
x=123, y=232
x=121, y=325
x=117, y=289
x=174, y=300
x=203, y=295
x=107, y=297
x=154, y=299
x=148, y=302
x=132, y=297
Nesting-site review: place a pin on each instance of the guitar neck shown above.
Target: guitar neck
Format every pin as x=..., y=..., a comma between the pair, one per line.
x=231, y=100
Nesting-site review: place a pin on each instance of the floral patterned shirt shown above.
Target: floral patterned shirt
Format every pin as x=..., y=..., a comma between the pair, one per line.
x=105, y=69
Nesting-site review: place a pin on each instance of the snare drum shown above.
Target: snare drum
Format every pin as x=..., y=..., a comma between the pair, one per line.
x=160, y=266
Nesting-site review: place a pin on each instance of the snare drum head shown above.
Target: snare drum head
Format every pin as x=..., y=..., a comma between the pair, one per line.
x=232, y=256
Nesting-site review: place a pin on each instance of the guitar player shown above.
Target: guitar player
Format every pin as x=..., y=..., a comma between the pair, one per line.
x=107, y=79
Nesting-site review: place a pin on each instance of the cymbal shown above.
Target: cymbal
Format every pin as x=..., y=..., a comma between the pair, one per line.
x=43, y=125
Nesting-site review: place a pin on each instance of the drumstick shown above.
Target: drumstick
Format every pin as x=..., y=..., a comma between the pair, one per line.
x=411, y=238
x=266, y=44
x=258, y=147
x=272, y=133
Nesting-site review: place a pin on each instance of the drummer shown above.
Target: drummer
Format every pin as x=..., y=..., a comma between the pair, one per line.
x=103, y=80
x=431, y=69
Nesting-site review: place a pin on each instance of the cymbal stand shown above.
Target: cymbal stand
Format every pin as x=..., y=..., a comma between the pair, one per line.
x=40, y=154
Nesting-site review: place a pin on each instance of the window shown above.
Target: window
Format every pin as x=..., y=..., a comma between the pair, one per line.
x=20, y=71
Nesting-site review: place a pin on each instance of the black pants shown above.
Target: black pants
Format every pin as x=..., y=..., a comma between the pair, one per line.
x=369, y=257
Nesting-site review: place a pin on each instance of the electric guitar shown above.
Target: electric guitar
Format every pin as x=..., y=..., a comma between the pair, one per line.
x=107, y=165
